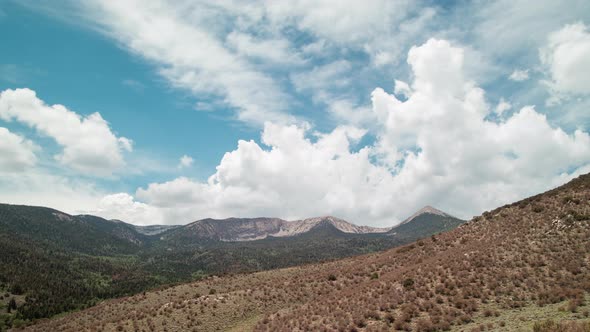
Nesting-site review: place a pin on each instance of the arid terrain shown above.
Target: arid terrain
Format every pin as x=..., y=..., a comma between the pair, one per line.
x=523, y=266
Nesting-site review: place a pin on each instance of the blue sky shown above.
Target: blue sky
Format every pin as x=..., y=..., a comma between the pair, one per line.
x=40, y=52
x=367, y=111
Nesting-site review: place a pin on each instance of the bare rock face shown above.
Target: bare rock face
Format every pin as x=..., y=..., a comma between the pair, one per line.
x=249, y=229
x=235, y=229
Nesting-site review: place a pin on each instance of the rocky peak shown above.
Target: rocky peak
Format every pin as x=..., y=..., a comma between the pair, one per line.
x=426, y=210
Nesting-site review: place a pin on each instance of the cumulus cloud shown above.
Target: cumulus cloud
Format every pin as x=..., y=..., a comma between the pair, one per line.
x=444, y=150
x=122, y=206
x=89, y=145
x=185, y=161
x=402, y=88
x=16, y=153
x=519, y=75
x=436, y=147
x=567, y=57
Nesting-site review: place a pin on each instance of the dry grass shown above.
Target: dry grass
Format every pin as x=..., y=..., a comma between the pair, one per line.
x=516, y=262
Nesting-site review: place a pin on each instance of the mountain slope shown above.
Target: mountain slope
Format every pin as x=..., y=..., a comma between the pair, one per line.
x=116, y=228
x=524, y=255
x=54, y=228
x=56, y=262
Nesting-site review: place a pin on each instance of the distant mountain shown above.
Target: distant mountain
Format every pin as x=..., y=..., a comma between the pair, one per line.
x=251, y=229
x=133, y=233
x=45, y=226
x=427, y=210
x=425, y=222
x=154, y=229
x=116, y=228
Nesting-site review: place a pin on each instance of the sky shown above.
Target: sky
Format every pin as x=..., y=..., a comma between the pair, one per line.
x=166, y=112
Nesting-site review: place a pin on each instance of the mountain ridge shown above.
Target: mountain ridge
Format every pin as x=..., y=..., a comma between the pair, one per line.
x=251, y=229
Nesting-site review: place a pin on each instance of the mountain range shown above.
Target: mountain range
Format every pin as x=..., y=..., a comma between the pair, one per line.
x=524, y=266
x=53, y=262
x=250, y=229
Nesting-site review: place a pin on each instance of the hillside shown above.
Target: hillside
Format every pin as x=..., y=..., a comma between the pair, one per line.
x=49, y=227
x=525, y=259
x=53, y=262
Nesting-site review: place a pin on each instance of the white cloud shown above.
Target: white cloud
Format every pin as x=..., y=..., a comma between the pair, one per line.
x=438, y=143
x=567, y=56
x=44, y=188
x=383, y=58
x=502, y=107
x=122, y=206
x=519, y=75
x=355, y=25
x=382, y=29
x=329, y=76
x=16, y=153
x=326, y=84
x=444, y=150
x=185, y=161
x=402, y=88
x=182, y=41
x=343, y=22
x=89, y=145
x=507, y=27
x=277, y=51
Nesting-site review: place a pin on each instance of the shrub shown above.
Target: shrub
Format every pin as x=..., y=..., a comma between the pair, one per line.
x=389, y=318
x=408, y=283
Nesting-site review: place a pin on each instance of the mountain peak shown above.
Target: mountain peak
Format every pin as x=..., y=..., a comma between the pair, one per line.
x=426, y=210
x=342, y=225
